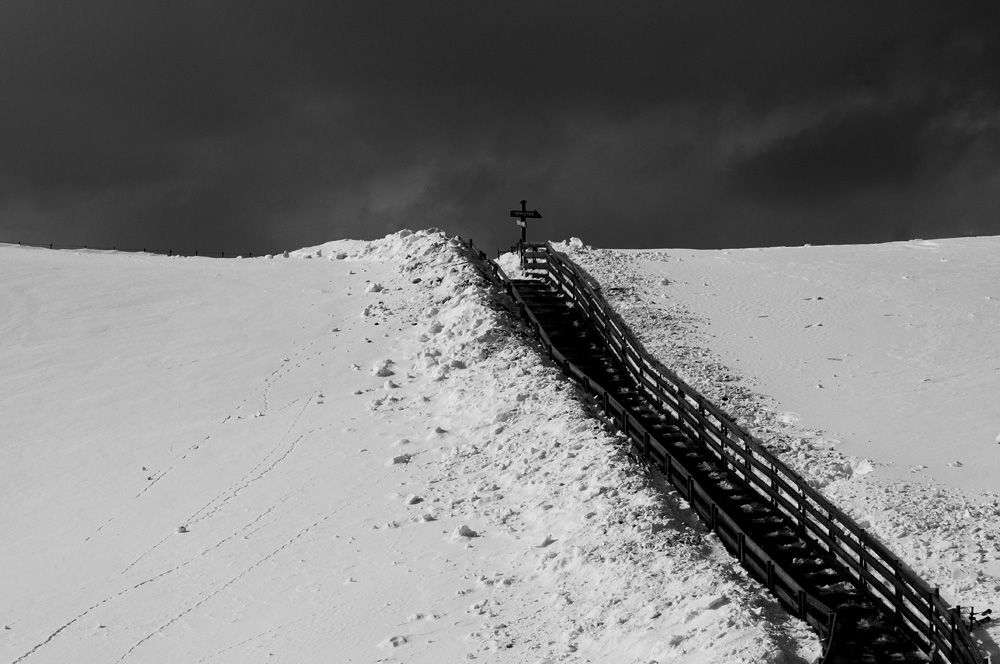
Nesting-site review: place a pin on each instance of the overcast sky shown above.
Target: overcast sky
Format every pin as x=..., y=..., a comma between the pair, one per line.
x=248, y=125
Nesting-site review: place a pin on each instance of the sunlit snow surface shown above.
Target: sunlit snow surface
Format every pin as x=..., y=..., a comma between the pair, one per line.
x=873, y=370
x=344, y=455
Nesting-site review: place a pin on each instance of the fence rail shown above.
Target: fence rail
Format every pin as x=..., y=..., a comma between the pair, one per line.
x=919, y=609
x=165, y=252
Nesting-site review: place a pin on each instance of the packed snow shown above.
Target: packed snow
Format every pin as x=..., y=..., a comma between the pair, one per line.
x=351, y=453
x=872, y=370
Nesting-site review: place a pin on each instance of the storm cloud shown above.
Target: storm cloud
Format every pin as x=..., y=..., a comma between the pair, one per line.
x=269, y=125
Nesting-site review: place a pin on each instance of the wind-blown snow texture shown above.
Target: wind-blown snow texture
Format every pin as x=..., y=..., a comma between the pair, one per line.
x=348, y=454
x=872, y=370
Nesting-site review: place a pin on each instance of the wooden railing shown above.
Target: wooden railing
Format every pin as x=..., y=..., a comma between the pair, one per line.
x=751, y=555
x=166, y=252
x=918, y=609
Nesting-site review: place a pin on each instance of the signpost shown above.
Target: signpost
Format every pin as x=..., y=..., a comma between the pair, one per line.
x=522, y=216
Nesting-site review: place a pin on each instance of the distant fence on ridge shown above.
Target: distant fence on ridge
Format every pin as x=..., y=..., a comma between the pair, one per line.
x=144, y=250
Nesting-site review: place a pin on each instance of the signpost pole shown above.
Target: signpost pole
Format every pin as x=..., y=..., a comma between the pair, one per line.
x=522, y=217
x=524, y=224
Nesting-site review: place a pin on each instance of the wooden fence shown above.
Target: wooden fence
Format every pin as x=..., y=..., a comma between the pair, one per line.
x=165, y=252
x=882, y=577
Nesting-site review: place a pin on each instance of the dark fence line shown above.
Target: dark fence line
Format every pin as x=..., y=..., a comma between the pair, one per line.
x=750, y=554
x=165, y=252
x=876, y=571
x=881, y=576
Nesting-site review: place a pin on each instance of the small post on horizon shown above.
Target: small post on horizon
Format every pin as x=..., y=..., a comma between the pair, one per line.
x=522, y=217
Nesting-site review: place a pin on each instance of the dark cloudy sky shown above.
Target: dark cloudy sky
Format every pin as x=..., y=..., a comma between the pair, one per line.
x=248, y=125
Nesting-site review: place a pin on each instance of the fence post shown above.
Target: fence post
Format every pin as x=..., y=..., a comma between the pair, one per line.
x=951, y=636
x=802, y=507
x=701, y=427
x=897, y=575
x=863, y=557
x=930, y=611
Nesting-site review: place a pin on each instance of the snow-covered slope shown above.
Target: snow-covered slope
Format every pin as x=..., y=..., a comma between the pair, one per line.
x=346, y=455
x=874, y=370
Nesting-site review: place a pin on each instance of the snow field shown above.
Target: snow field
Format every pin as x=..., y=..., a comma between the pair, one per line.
x=274, y=460
x=878, y=393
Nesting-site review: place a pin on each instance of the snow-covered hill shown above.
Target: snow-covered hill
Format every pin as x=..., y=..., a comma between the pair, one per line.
x=873, y=370
x=350, y=454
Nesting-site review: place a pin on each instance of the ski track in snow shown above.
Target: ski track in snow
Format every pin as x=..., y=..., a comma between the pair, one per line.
x=268, y=463
x=263, y=390
x=235, y=646
x=243, y=531
x=219, y=501
x=221, y=588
